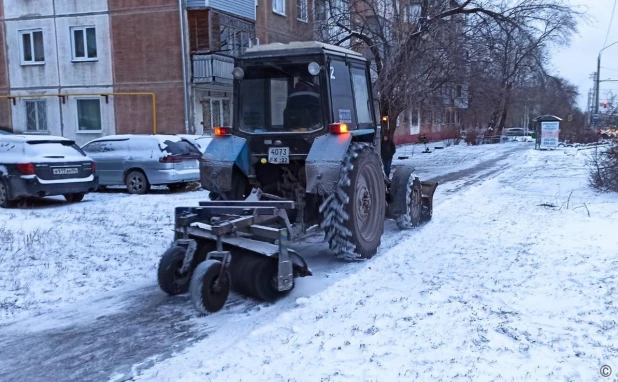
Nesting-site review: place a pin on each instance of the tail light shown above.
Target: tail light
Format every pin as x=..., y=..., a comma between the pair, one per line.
x=170, y=159
x=220, y=131
x=93, y=167
x=338, y=128
x=26, y=168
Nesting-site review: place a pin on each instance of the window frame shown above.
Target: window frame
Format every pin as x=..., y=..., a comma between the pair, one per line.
x=300, y=6
x=37, y=102
x=276, y=10
x=30, y=32
x=86, y=131
x=83, y=29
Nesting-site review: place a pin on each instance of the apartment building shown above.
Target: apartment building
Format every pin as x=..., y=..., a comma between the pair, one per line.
x=85, y=69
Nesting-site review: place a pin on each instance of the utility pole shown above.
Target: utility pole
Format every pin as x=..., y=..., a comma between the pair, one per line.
x=596, y=106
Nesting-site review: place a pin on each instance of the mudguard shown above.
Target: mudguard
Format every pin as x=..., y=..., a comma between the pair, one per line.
x=323, y=164
x=217, y=163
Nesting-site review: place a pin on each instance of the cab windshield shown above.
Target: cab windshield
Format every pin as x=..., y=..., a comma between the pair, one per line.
x=280, y=98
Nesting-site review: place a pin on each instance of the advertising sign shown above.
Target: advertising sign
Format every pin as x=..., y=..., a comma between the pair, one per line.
x=549, y=135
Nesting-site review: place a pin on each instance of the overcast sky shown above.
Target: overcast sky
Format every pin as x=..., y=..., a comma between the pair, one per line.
x=579, y=60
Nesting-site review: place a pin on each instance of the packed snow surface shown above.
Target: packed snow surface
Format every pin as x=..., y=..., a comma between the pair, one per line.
x=514, y=278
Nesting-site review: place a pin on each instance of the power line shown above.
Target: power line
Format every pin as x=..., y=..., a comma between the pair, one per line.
x=611, y=20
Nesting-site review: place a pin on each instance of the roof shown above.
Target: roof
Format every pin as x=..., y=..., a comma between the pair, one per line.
x=547, y=118
x=302, y=45
x=19, y=138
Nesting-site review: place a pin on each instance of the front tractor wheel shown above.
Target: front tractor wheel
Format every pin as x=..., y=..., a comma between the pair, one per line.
x=354, y=213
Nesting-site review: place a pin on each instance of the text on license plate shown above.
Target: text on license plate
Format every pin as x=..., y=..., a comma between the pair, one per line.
x=65, y=171
x=279, y=155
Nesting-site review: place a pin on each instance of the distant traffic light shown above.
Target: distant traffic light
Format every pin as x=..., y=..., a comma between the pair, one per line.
x=605, y=104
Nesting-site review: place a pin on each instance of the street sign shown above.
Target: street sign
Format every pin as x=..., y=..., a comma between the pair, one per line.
x=549, y=135
x=595, y=117
x=570, y=117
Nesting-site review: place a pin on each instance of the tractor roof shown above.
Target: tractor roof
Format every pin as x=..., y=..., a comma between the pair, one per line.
x=299, y=48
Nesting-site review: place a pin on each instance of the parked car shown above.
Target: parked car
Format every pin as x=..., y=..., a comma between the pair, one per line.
x=142, y=161
x=39, y=166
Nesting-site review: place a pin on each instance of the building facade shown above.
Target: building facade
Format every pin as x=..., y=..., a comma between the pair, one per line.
x=86, y=69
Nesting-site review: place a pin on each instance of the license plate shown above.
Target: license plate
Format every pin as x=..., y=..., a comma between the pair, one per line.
x=279, y=155
x=65, y=171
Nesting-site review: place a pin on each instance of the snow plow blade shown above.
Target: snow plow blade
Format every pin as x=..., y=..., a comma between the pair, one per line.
x=428, y=189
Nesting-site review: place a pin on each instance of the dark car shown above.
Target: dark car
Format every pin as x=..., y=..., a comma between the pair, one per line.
x=38, y=166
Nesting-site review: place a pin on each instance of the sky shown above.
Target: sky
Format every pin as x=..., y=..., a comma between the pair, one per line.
x=578, y=61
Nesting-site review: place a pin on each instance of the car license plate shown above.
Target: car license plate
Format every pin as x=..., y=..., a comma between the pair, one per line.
x=65, y=171
x=279, y=155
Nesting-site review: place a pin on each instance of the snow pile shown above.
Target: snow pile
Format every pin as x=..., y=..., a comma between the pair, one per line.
x=513, y=278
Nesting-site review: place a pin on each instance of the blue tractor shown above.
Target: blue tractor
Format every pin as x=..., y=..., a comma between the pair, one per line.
x=301, y=156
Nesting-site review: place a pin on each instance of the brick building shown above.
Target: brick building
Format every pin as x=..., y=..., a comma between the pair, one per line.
x=86, y=69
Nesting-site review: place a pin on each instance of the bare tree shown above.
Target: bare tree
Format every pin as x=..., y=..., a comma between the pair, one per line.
x=419, y=47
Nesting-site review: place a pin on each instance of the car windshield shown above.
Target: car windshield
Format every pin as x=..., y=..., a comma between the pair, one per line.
x=49, y=149
x=282, y=98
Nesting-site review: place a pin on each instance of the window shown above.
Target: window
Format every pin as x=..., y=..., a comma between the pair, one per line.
x=84, y=43
x=235, y=35
x=59, y=148
x=89, y=114
x=302, y=10
x=36, y=115
x=216, y=112
x=280, y=99
x=32, y=48
x=341, y=92
x=279, y=7
x=361, y=96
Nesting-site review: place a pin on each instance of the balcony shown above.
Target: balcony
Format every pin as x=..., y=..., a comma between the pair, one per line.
x=212, y=69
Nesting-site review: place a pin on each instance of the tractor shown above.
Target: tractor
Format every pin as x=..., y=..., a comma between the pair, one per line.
x=302, y=156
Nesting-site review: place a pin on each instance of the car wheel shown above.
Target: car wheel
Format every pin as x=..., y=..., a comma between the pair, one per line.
x=137, y=183
x=74, y=198
x=5, y=202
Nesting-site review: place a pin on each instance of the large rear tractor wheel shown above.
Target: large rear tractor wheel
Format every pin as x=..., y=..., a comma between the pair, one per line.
x=208, y=290
x=354, y=213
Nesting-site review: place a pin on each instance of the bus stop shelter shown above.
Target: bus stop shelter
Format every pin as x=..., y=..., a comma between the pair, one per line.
x=548, y=132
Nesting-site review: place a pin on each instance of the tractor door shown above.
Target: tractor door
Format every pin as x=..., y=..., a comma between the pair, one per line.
x=350, y=91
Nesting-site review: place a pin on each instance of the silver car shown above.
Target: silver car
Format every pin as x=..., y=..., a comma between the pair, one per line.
x=142, y=161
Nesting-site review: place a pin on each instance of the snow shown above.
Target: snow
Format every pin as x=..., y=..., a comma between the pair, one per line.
x=54, y=253
x=496, y=287
x=499, y=285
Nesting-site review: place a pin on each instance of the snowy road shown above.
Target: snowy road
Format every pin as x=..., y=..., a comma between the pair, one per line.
x=116, y=335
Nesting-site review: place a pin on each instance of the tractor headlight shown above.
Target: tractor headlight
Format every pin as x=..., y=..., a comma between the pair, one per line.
x=314, y=68
x=238, y=73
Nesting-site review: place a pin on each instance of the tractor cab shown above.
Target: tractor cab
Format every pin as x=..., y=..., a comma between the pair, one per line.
x=292, y=93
